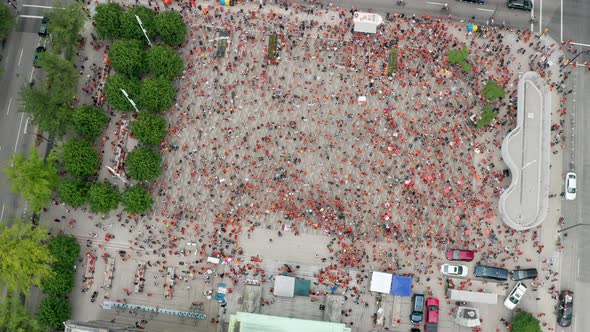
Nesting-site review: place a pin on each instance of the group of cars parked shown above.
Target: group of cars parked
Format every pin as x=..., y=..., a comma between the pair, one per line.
x=431, y=305
x=515, y=4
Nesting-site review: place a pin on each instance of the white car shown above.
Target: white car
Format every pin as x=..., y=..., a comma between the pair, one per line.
x=570, y=186
x=454, y=270
x=515, y=296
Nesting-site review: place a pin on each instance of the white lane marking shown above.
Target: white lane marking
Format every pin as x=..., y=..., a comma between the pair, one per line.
x=21, y=56
x=540, y=16
x=30, y=16
x=561, y=23
x=38, y=6
x=9, y=103
x=2, y=215
x=578, y=271
x=485, y=9
x=22, y=117
x=26, y=125
x=580, y=44
x=31, y=77
x=435, y=3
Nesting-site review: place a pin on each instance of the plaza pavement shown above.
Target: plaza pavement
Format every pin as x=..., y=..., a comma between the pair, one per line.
x=294, y=250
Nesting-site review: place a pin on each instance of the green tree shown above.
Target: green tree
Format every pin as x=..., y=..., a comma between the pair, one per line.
x=487, y=116
x=61, y=281
x=73, y=192
x=15, y=318
x=50, y=117
x=156, y=95
x=54, y=310
x=65, y=24
x=103, y=197
x=108, y=20
x=25, y=259
x=492, y=91
x=65, y=250
x=171, y=28
x=525, y=322
x=164, y=61
x=32, y=177
x=61, y=78
x=7, y=21
x=149, y=128
x=137, y=199
x=90, y=121
x=459, y=57
x=143, y=164
x=80, y=158
x=128, y=57
x=115, y=96
x=130, y=26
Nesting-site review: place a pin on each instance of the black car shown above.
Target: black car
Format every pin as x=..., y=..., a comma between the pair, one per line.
x=417, y=308
x=524, y=274
x=520, y=4
x=43, y=27
x=565, y=311
x=490, y=272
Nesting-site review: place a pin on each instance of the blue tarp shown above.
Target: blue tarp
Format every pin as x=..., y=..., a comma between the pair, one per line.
x=401, y=286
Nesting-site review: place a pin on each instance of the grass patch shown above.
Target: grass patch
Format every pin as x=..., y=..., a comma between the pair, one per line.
x=273, y=52
x=392, y=63
x=222, y=44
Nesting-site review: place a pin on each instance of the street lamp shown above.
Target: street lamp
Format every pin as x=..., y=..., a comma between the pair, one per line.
x=567, y=61
x=143, y=29
x=570, y=227
x=130, y=100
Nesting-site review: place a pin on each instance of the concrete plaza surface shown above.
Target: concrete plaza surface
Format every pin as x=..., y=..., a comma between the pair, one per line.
x=386, y=185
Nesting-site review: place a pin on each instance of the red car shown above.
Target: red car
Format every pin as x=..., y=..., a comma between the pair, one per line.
x=432, y=305
x=460, y=255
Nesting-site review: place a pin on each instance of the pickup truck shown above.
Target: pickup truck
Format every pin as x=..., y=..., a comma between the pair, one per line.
x=432, y=305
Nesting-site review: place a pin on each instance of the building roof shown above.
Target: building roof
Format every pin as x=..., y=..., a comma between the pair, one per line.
x=247, y=322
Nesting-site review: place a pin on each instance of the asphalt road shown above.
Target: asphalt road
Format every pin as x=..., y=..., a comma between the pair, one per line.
x=17, y=62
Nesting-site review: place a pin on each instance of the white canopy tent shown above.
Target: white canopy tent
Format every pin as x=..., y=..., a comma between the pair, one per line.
x=381, y=282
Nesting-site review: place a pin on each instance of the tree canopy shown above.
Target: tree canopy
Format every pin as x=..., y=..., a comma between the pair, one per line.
x=108, y=20
x=137, y=199
x=61, y=281
x=89, y=121
x=103, y=197
x=61, y=78
x=171, y=28
x=492, y=91
x=14, y=317
x=7, y=21
x=80, y=158
x=25, y=259
x=143, y=164
x=128, y=57
x=54, y=310
x=163, y=61
x=525, y=322
x=65, y=250
x=156, y=95
x=73, y=192
x=130, y=26
x=459, y=57
x=33, y=178
x=115, y=96
x=65, y=24
x=487, y=116
x=149, y=128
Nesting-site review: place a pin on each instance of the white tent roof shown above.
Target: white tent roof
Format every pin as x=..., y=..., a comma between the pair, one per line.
x=284, y=286
x=381, y=282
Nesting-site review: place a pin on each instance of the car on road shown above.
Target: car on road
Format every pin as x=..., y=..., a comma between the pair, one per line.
x=417, y=308
x=432, y=307
x=565, y=310
x=520, y=4
x=460, y=255
x=570, y=186
x=454, y=270
x=490, y=272
x=43, y=27
x=515, y=296
x=522, y=274
x=38, y=51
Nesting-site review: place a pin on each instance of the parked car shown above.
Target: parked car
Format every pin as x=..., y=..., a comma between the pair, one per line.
x=565, y=311
x=515, y=296
x=417, y=308
x=520, y=4
x=570, y=186
x=460, y=255
x=454, y=270
x=432, y=307
x=38, y=51
x=490, y=272
x=43, y=27
x=524, y=274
